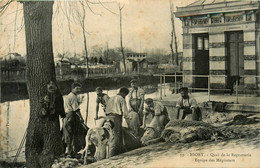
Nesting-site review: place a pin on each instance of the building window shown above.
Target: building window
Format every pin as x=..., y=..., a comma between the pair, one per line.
x=200, y=43
x=206, y=44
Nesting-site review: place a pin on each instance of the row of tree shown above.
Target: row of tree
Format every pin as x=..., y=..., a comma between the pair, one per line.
x=96, y=55
x=112, y=55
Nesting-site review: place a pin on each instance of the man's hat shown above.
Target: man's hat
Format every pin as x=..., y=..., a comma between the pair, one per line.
x=99, y=88
x=184, y=89
x=133, y=81
x=148, y=101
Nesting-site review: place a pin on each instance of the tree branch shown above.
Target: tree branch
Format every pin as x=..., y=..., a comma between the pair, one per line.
x=5, y=6
x=107, y=8
x=82, y=3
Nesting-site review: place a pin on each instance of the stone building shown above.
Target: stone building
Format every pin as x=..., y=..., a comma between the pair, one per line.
x=221, y=38
x=134, y=62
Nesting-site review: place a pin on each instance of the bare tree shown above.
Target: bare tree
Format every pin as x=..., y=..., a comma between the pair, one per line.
x=61, y=56
x=82, y=17
x=174, y=58
x=121, y=38
x=43, y=141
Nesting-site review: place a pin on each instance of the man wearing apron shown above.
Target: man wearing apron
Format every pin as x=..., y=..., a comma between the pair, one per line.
x=136, y=104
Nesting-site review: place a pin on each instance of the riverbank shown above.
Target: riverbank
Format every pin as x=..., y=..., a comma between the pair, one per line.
x=233, y=153
x=11, y=91
x=239, y=150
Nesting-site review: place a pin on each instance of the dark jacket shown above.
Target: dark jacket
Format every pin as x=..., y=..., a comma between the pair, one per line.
x=54, y=107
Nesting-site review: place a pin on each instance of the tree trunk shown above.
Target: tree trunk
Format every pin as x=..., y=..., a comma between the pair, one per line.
x=173, y=34
x=43, y=140
x=86, y=52
x=121, y=38
x=176, y=45
x=171, y=45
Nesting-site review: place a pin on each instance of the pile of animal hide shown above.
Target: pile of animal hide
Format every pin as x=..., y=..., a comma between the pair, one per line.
x=189, y=131
x=65, y=163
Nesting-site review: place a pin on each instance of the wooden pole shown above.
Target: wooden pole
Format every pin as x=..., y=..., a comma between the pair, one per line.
x=160, y=87
x=86, y=119
x=7, y=129
x=175, y=83
x=236, y=91
x=164, y=85
x=209, y=86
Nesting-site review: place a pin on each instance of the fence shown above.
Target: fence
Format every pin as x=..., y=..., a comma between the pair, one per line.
x=208, y=89
x=14, y=74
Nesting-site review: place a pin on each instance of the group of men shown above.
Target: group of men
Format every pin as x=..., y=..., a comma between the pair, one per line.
x=141, y=113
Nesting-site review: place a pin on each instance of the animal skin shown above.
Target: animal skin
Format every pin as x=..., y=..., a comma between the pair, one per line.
x=181, y=131
x=186, y=131
x=153, y=134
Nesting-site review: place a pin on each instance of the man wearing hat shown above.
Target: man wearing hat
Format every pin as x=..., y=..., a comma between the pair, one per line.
x=187, y=105
x=155, y=114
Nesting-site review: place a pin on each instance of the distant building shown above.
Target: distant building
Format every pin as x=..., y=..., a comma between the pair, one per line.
x=138, y=62
x=13, y=61
x=221, y=38
x=13, y=67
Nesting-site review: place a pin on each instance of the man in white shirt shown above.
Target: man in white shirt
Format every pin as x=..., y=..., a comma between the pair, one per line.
x=102, y=99
x=116, y=109
x=136, y=104
x=187, y=105
x=155, y=114
x=72, y=122
x=136, y=98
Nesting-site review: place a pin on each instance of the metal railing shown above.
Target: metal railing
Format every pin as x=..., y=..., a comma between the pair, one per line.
x=208, y=89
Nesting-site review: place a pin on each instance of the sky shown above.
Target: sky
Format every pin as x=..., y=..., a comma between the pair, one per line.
x=146, y=25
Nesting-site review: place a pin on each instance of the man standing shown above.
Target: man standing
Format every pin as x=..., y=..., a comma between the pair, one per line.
x=52, y=103
x=136, y=98
x=102, y=99
x=51, y=108
x=115, y=110
x=136, y=104
x=187, y=105
x=72, y=123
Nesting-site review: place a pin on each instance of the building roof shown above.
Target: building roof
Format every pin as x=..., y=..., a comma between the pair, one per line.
x=150, y=60
x=11, y=56
x=216, y=6
x=206, y=2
